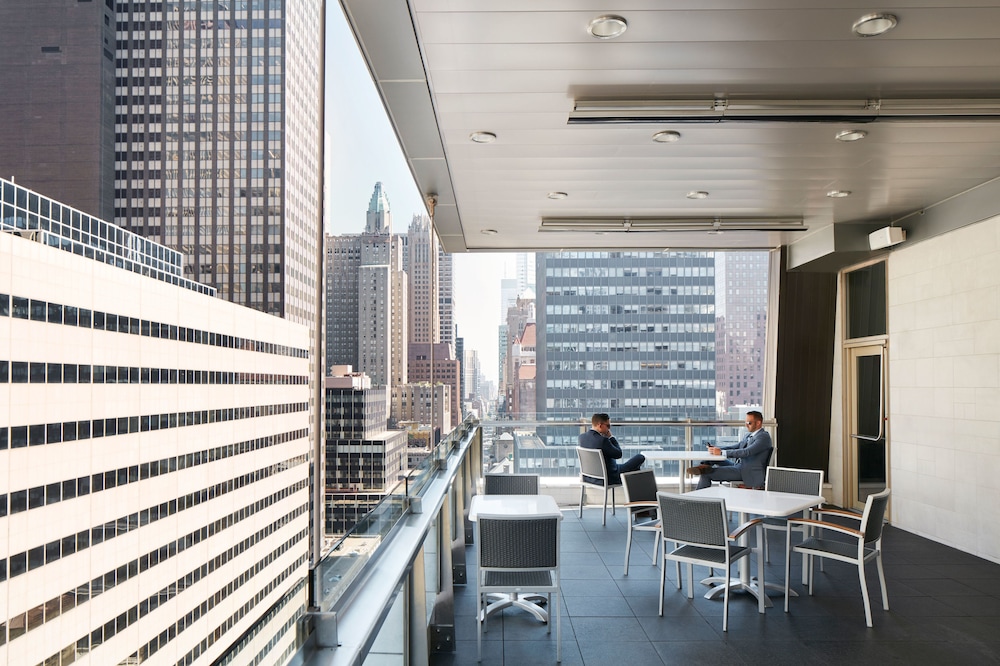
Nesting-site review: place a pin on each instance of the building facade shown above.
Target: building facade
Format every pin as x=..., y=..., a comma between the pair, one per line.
x=217, y=143
x=57, y=74
x=627, y=333
x=740, y=328
x=154, y=443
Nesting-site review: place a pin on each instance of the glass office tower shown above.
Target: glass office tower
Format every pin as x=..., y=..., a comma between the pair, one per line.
x=217, y=128
x=627, y=333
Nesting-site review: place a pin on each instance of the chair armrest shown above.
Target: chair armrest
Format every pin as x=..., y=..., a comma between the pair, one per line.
x=822, y=524
x=836, y=512
x=648, y=505
x=744, y=527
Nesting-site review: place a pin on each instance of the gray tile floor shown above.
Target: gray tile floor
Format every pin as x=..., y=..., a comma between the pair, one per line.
x=945, y=609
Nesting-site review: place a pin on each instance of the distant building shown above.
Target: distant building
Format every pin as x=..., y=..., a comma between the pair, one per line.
x=740, y=328
x=418, y=403
x=446, y=370
x=364, y=459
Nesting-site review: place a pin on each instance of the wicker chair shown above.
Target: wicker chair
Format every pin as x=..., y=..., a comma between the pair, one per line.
x=592, y=467
x=640, y=501
x=699, y=528
x=790, y=480
x=516, y=555
x=866, y=545
x=511, y=484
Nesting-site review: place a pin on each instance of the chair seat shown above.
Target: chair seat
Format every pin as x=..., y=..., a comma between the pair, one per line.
x=843, y=549
x=532, y=579
x=716, y=555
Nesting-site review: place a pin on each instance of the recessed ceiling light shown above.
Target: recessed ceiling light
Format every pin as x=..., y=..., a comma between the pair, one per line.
x=698, y=194
x=851, y=135
x=715, y=232
x=872, y=25
x=557, y=195
x=838, y=194
x=489, y=232
x=482, y=137
x=667, y=136
x=607, y=27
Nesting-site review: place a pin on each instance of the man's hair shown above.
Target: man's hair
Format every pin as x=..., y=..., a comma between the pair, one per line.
x=756, y=415
x=599, y=418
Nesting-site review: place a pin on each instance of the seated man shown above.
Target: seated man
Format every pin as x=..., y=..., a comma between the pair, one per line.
x=753, y=452
x=599, y=437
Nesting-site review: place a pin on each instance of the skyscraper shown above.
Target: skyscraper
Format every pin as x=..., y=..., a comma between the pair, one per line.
x=422, y=248
x=628, y=333
x=218, y=142
x=57, y=74
x=741, y=328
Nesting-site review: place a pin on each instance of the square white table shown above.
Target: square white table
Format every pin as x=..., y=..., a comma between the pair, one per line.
x=683, y=457
x=515, y=505
x=761, y=503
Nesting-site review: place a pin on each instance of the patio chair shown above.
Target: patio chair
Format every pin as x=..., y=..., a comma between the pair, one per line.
x=592, y=467
x=865, y=544
x=699, y=528
x=511, y=484
x=641, y=504
x=516, y=555
x=790, y=480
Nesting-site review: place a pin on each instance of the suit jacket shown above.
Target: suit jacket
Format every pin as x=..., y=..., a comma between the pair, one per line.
x=607, y=445
x=754, y=452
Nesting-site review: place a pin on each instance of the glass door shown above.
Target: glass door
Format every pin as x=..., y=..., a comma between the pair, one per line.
x=867, y=422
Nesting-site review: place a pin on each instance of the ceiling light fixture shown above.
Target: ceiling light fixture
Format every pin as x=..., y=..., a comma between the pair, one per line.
x=838, y=194
x=607, y=27
x=738, y=110
x=850, y=135
x=557, y=195
x=655, y=224
x=697, y=194
x=489, y=232
x=873, y=25
x=667, y=136
x=482, y=137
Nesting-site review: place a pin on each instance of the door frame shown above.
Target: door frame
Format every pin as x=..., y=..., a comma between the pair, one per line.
x=849, y=346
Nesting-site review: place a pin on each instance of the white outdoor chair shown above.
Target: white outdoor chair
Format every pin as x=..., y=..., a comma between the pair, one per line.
x=640, y=501
x=865, y=544
x=700, y=529
x=518, y=555
x=592, y=467
x=790, y=480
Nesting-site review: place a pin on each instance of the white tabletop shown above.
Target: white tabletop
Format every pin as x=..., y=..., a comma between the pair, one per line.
x=513, y=505
x=682, y=455
x=759, y=502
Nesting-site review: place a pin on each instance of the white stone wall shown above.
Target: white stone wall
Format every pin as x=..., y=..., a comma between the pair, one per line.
x=29, y=269
x=944, y=395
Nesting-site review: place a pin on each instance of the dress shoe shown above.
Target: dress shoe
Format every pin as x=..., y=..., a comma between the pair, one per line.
x=700, y=469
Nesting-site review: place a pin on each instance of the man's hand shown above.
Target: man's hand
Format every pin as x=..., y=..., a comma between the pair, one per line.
x=715, y=451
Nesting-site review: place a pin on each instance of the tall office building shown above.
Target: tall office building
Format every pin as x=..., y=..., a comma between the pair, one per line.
x=218, y=142
x=422, y=248
x=740, y=328
x=366, y=292
x=57, y=74
x=525, y=267
x=628, y=333
x=446, y=298
x=155, y=448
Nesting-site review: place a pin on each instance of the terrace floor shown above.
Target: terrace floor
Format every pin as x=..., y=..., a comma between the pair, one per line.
x=945, y=609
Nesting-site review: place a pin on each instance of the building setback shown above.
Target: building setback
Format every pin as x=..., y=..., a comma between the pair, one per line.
x=154, y=443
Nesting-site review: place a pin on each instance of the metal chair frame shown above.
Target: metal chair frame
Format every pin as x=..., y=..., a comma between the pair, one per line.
x=867, y=545
x=640, y=498
x=592, y=465
x=700, y=528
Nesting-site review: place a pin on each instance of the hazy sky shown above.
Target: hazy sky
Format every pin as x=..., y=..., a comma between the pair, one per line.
x=361, y=150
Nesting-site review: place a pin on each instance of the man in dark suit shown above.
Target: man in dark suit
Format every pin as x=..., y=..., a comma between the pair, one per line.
x=599, y=437
x=752, y=454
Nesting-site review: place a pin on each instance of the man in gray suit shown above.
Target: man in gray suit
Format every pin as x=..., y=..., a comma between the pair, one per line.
x=599, y=437
x=753, y=453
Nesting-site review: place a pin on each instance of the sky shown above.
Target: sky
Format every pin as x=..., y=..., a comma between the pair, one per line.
x=361, y=150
